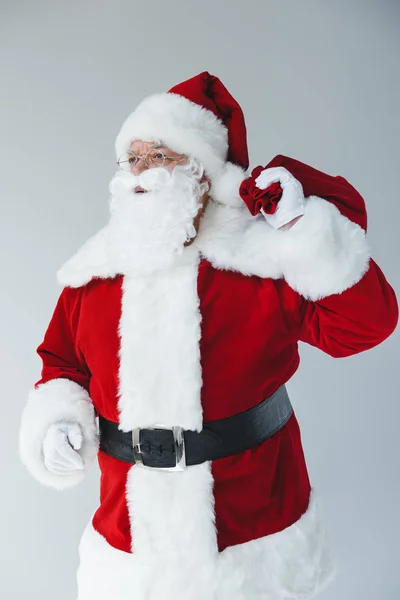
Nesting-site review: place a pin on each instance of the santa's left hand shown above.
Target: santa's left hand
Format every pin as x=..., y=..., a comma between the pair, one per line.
x=291, y=206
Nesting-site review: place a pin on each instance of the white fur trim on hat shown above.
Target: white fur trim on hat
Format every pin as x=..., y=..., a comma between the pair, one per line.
x=53, y=401
x=181, y=124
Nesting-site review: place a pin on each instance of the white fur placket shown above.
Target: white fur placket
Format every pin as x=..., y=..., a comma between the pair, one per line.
x=171, y=514
x=160, y=374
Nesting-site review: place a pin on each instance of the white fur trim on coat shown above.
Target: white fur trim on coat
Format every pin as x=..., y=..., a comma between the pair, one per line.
x=53, y=401
x=324, y=253
x=184, y=126
x=225, y=186
x=91, y=260
x=296, y=563
x=173, y=530
x=160, y=374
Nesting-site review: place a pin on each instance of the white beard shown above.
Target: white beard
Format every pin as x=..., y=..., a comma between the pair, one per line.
x=147, y=231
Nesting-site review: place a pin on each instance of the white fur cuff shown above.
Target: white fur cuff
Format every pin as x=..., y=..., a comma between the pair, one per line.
x=56, y=400
x=324, y=253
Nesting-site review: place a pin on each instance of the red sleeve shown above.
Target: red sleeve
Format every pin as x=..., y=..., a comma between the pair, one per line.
x=355, y=320
x=359, y=309
x=59, y=352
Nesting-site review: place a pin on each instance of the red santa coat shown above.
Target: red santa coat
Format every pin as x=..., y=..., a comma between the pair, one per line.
x=214, y=336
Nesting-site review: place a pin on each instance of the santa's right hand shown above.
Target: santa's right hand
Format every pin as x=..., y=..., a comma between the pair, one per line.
x=60, y=448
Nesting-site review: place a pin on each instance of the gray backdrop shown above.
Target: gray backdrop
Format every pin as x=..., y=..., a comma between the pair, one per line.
x=318, y=81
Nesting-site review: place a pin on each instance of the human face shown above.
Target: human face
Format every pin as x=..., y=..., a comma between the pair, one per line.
x=140, y=148
x=149, y=232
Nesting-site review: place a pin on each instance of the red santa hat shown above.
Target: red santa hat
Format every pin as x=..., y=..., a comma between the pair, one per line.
x=199, y=118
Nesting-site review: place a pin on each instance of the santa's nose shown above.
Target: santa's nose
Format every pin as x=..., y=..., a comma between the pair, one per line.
x=139, y=167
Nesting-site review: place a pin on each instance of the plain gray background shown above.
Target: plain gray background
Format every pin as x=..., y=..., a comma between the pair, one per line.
x=318, y=81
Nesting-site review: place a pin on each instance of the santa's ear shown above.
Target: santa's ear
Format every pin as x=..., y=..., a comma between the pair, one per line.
x=225, y=185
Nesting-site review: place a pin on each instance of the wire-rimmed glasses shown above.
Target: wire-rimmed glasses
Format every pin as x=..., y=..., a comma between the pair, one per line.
x=152, y=159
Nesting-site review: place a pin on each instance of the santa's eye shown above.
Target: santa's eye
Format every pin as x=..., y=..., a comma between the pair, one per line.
x=127, y=161
x=155, y=158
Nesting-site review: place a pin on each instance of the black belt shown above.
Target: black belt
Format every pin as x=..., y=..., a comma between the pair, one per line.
x=175, y=448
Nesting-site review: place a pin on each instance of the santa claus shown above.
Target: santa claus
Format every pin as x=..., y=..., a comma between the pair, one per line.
x=169, y=349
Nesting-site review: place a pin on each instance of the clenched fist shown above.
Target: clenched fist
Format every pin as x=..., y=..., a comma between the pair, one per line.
x=60, y=448
x=291, y=205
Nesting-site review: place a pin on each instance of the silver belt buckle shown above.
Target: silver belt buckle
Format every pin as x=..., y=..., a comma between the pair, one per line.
x=179, y=444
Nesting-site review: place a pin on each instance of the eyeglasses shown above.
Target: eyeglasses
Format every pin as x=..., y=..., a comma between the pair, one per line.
x=152, y=159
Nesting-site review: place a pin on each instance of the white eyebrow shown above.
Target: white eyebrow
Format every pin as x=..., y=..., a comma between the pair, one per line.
x=159, y=144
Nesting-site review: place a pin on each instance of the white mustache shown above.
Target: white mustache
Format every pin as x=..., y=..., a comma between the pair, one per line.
x=151, y=180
